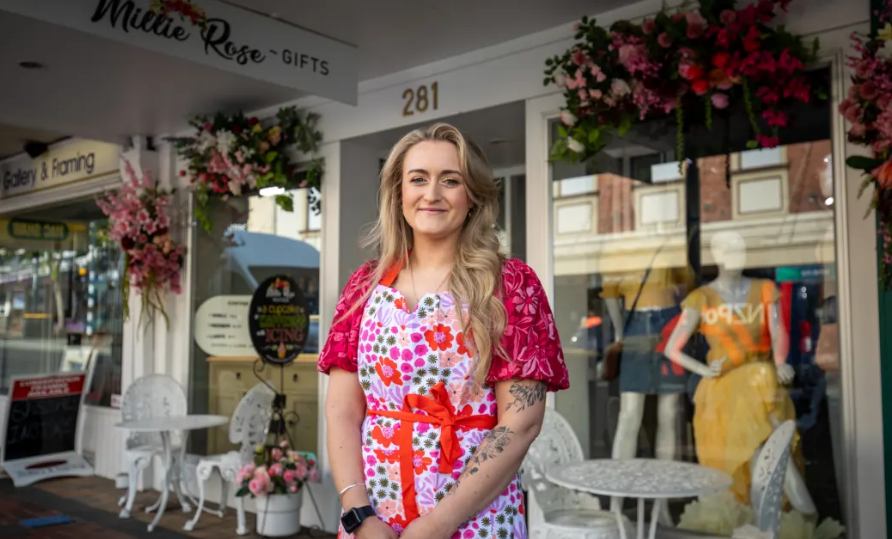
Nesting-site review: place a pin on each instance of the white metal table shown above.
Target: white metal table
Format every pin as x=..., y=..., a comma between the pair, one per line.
x=644, y=479
x=164, y=426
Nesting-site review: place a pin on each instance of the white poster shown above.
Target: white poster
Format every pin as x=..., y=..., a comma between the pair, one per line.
x=221, y=327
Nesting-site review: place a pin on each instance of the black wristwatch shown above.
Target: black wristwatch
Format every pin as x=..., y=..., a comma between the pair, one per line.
x=352, y=518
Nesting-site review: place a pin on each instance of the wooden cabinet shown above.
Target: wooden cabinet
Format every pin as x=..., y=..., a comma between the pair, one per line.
x=232, y=378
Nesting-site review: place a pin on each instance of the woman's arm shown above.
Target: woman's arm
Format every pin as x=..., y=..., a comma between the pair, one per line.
x=345, y=409
x=521, y=408
x=688, y=322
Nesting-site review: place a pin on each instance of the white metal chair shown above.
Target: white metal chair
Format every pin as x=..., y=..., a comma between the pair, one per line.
x=248, y=428
x=151, y=396
x=561, y=513
x=767, y=488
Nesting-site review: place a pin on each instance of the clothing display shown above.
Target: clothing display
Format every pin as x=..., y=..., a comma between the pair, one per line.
x=643, y=369
x=424, y=416
x=732, y=411
x=660, y=289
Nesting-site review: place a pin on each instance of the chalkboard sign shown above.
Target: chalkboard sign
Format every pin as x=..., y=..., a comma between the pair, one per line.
x=43, y=416
x=278, y=320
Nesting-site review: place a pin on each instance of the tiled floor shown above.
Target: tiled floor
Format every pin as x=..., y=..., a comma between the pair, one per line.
x=93, y=504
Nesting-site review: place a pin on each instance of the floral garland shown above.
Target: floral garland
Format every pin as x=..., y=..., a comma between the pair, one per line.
x=674, y=63
x=234, y=156
x=868, y=108
x=140, y=223
x=184, y=8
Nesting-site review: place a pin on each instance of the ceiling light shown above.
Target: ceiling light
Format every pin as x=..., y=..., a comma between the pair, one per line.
x=271, y=191
x=30, y=64
x=829, y=201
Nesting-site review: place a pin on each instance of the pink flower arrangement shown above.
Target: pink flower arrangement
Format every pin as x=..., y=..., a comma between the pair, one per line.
x=235, y=155
x=672, y=63
x=868, y=109
x=276, y=470
x=140, y=223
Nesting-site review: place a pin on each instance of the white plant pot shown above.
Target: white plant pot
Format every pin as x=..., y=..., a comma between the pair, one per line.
x=278, y=515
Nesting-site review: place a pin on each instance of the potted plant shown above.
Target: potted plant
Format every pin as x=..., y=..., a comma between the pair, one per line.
x=275, y=480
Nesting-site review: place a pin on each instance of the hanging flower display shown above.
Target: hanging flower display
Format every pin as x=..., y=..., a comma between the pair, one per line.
x=140, y=223
x=234, y=156
x=702, y=59
x=186, y=10
x=868, y=108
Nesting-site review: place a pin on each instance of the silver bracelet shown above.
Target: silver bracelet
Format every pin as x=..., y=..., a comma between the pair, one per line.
x=348, y=487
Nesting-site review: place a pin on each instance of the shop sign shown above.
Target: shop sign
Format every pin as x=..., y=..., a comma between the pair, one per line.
x=63, y=164
x=42, y=427
x=278, y=320
x=221, y=327
x=234, y=40
x=22, y=229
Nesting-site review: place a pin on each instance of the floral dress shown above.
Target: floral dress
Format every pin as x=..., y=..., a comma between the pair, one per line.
x=424, y=419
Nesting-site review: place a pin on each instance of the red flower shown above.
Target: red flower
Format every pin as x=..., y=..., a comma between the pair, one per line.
x=752, y=40
x=690, y=71
x=700, y=86
x=460, y=339
x=420, y=462
x=439, y=338
x=391, y=456
x=385, y=435
x=883, y=174
x=798, y=89
x=252, y=121
x=236, y=129
x=400, y=303
x=768, y=95
x=775, y=118
x=721, y=60
x=388, y=371
x=767, y=142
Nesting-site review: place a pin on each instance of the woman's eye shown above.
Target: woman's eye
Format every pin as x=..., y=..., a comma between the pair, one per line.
x=451, y=182
x=416, y=180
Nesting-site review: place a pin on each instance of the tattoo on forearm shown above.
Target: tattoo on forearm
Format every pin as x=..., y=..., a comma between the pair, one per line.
x=493, y=444
x=525, y=395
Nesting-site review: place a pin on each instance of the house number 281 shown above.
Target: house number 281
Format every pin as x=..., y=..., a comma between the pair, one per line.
x=421, y=99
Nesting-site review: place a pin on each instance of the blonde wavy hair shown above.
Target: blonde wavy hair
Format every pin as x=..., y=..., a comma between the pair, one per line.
x=476, y=276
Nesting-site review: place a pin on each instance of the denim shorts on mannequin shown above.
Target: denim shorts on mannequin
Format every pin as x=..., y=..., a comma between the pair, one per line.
x=642, y=369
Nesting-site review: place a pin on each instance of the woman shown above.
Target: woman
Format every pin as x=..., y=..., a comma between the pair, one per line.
x=427, y=427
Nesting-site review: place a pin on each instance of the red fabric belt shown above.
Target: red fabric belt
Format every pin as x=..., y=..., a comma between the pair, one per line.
x=439, y=412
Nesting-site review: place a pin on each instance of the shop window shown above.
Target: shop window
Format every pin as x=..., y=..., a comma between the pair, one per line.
x=246, y=247
x=61, y=308
x=582, y=185
x=578, y=216
x=759, y=281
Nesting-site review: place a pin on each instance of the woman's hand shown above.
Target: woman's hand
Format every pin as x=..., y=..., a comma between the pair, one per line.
x=427, y=527
x=374, y=528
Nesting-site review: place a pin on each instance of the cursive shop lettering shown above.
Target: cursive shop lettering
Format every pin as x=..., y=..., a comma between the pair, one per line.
x=127, y=16
x=216, y=38
x=19, y=178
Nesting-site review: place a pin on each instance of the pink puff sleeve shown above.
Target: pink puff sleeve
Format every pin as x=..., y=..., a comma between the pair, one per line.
x=341, y=346
x=531, y=340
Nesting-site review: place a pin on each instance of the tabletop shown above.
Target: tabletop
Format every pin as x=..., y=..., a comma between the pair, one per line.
x=184, y=422
x=640, y=478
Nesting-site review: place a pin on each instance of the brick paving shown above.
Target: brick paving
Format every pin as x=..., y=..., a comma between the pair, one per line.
x=93, y=504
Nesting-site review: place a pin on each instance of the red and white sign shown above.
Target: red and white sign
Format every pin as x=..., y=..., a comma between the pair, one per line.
x=49, y=386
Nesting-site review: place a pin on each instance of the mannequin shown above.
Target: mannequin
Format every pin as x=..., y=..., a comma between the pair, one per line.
x=644, y=371
x=746, y=364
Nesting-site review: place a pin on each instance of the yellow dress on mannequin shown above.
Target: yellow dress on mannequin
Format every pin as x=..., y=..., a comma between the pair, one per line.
x=732, y=411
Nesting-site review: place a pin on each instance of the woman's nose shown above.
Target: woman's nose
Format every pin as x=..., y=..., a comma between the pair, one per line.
x=432, y=193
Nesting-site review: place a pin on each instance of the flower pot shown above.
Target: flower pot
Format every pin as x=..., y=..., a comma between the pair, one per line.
x=278, y=515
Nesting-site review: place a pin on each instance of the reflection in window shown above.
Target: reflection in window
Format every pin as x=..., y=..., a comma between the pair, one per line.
x=253, y=240
x=752, y=267
x=60, y=300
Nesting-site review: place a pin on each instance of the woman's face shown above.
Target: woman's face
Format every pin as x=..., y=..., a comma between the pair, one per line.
x=435, y=200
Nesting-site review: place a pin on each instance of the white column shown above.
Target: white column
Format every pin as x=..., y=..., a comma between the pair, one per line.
x=349, y=204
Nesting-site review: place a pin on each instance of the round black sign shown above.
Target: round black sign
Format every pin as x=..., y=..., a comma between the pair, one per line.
x=278, y=320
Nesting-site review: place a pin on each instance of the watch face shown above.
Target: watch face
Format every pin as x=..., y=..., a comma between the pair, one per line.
x=350, y=520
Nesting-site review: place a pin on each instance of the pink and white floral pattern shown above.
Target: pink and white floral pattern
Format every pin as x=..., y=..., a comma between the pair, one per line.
x=397, y=352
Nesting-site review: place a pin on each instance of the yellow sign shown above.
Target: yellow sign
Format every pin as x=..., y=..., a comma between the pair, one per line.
x=36, y=230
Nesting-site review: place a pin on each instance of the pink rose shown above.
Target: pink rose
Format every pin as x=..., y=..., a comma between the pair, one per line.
x=648, y=26
x=869, y=90
x=292, y=489
x=579, y=57
x=276, y=454
x=275, y=470
x=858, y=130
x=665, y=40
x=619, y=88
x=853, y=113
x=289, y=476
x=696, y=25
x=257, y=487
x=719, y=100
x=884, y=101
x=283, y=444
x=314, y=475
x=728, y=16
x=595, y=94
x=301, y=472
